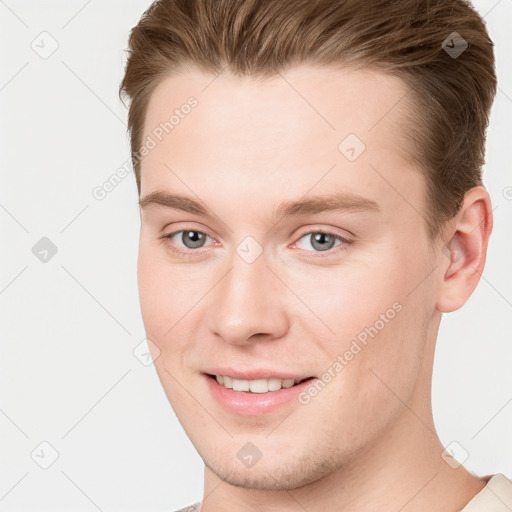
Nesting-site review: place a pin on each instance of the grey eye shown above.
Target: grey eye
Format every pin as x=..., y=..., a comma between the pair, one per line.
x=193, y=239
x=319, y=241
x=322, y=241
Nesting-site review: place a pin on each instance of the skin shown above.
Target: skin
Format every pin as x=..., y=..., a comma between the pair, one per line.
x=367, y=441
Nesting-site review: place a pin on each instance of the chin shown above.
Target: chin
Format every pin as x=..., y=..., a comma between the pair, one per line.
x=272, y=475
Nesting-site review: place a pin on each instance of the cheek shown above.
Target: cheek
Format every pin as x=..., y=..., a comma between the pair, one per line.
x=375, y=324
x=151, y=291
x=168, y=294
x=160, y=292
x=163, y=304
x=368, y=289
x=351, y=299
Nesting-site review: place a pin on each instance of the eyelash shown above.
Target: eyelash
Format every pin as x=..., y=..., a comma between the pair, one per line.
x=318, y=254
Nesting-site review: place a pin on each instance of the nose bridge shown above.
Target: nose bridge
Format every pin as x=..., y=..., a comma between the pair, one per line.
x=247, y=300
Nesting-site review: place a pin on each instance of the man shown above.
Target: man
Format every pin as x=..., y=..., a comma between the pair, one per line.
x=309, y=177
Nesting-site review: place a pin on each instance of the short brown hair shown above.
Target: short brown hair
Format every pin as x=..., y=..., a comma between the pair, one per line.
x=451, y=95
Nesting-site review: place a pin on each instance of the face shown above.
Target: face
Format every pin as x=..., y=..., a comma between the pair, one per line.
x=274, y=244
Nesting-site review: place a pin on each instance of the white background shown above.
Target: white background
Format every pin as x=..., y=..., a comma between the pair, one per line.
x=68, y=375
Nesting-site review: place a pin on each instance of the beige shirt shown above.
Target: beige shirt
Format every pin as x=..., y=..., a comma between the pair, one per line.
x=496, y=496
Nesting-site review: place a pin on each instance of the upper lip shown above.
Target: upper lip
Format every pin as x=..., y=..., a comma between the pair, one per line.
x=255, y=374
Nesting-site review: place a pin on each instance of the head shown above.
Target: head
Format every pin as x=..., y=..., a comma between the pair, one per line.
x=309, y=176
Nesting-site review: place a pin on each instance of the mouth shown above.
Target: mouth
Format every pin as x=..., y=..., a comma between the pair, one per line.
x=257, y=386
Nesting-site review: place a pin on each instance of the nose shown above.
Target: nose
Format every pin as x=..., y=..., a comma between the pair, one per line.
x=248, y=303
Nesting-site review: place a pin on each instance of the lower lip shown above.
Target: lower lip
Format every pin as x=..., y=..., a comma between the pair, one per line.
x=246, y=403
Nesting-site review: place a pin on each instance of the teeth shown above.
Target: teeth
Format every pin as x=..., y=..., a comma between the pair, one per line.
x=240, y=385
x=258, y=386
x=255, y=386
x=274, y=384
x=228, y=381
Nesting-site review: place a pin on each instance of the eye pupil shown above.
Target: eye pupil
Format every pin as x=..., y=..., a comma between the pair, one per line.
x=322, y=241
x=193, y=239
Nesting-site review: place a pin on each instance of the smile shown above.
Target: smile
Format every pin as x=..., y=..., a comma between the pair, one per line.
x=257, y=385
x=247, y=402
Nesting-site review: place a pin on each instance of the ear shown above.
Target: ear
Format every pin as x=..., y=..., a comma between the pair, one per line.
x=463, y=255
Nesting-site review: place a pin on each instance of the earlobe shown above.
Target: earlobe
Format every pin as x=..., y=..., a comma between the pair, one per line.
x=463, y=255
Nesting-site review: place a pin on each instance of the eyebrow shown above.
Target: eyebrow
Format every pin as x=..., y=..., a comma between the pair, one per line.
x=175, y=201
x=341, y=201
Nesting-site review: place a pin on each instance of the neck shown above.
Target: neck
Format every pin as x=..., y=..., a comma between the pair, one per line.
x=402, y=470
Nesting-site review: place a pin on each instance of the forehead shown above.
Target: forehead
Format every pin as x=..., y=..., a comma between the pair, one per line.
x=281, y=134
x=305, y=98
